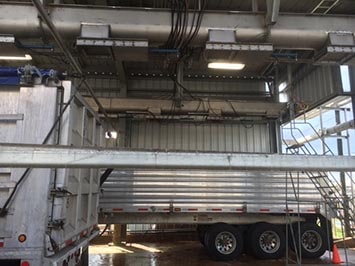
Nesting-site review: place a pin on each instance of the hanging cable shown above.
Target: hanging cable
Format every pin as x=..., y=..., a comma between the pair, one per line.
x=182, y=31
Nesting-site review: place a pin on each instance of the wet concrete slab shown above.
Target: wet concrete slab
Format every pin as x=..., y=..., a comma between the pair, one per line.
x=183, y=253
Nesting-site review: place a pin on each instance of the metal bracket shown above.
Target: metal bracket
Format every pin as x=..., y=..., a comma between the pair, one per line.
x=56, y=224
x=60, y=192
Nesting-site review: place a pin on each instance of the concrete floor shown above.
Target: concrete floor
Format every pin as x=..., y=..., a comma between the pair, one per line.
x=182, y=253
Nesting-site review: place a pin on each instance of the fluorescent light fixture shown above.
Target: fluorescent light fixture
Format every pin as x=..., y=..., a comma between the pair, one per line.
x=26, y=57
x=225, y=65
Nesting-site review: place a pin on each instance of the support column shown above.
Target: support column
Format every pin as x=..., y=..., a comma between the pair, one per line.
x=119, y=234
x=352, y=87
x=272, y=14
x=342, y=179
x=278, y=122
x=254, y=6
x=120, y=230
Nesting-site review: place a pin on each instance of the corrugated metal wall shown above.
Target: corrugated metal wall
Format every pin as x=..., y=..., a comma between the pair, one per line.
x=316, y=85
x=190, y=136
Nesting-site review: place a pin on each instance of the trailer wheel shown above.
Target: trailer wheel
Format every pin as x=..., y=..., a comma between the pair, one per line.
x=267, y=241
x=224, y=242
x=313, y=241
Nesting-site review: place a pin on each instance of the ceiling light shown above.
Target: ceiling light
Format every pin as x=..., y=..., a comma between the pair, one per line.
x=26, y=57
x=224, y=65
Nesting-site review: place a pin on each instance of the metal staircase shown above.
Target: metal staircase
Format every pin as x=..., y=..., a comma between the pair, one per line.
x=327, y=183
x=324, y=6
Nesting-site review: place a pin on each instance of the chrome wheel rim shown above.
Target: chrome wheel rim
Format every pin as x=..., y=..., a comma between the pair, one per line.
x=225, y=243
x=311, y=241
x=269, y=242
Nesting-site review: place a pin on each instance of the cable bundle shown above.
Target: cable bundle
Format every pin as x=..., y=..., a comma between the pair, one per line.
x=183, y=32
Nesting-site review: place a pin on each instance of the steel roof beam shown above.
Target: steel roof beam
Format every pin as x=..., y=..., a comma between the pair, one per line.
x=291, y=30
x=227, y=107
x=46, y=156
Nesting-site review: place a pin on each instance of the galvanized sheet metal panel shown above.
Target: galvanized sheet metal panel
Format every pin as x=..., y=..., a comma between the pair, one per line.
x=205, y=191
x=317, y=85
x=38, y=107
x=190, y=136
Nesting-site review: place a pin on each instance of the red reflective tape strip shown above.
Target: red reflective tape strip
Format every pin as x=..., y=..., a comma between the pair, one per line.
x=1, y=244
x=264, y=210
x=216, y=210
x=239, y=210
x=84, y=233
x=68, y=242
x=117, y=209
x=166, y=209
x=311, y=210
x=142, y=209
x=193, y=209
x=95, y=227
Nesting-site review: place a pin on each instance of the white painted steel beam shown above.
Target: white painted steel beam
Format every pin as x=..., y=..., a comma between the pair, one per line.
x=291, y=30
x=231, y=107
x=44, y=156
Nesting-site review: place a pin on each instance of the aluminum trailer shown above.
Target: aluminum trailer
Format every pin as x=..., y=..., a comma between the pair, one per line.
x=232, y=209
x=236, y=207
x=52, y=215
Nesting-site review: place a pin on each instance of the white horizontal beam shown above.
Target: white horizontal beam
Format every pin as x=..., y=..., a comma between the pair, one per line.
x=229, y=107
x=291, y=30
x=45, y=156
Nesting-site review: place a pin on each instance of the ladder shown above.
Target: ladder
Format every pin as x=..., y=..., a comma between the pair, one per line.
x=326, y=183
x=324, y=6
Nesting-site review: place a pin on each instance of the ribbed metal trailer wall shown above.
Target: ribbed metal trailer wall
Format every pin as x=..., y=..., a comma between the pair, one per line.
x=207, y=191
x=51, y=206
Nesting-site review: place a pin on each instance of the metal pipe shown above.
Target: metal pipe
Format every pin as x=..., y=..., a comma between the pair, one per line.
x=273, y=7
x=293, y=31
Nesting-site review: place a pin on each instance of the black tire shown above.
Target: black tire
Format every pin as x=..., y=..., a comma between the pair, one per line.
x=267, y=241
x=313, y=241
x=84, y=258
x=201, y=232
x=224, y=242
